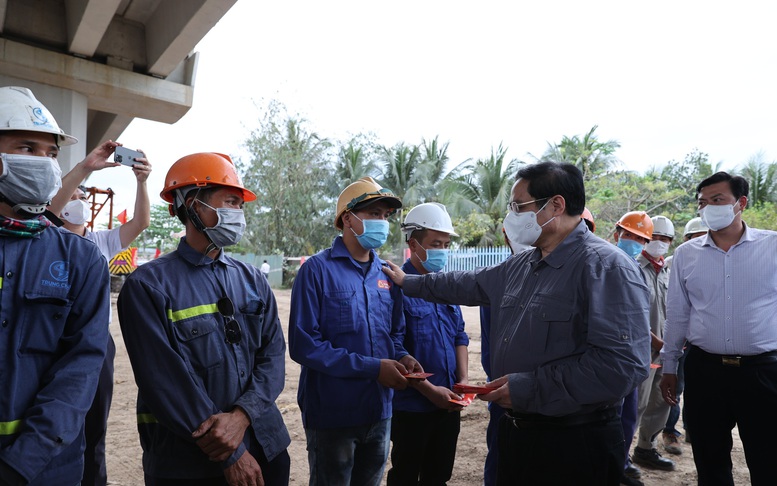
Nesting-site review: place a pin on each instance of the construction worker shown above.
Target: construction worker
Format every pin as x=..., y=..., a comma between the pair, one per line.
x=74, y=215
x=694, y=228
x=54, y=306
x=205, y=343
x=346, y=329
x=652, y=410
x=632, y=232
x=425, y=424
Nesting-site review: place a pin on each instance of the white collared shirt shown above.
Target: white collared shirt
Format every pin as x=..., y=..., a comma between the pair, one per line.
x=723, y=302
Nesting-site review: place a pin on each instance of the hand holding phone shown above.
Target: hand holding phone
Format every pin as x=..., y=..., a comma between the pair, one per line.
x=126, y=156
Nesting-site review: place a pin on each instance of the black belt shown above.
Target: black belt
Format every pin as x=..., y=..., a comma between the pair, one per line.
x=735, y=360
x=537, y=421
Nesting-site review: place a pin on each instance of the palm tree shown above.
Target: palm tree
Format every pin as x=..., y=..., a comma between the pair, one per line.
x=431, y=171
x=762, y=177
x=400, y=172
x=355, y=159
x=482, y=187
x=591, y=156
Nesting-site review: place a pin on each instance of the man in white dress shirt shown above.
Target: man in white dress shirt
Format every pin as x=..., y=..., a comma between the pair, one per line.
x=723, y=299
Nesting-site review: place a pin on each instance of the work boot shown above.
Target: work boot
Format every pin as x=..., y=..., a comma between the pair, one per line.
x=627, y=481
x=650, y=458
x=632, y=471
x=672, y=444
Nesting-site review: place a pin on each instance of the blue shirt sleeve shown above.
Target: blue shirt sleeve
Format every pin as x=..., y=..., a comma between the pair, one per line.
x=307, y=345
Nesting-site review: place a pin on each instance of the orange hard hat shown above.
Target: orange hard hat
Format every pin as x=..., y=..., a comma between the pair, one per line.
x=589, y=220
x=205, y=169
x=638, y=223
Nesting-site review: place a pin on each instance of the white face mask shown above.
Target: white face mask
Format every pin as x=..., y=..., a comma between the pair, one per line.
x=229, y=229
x=29, y=182
x=657, y=248
x=77, y=212
x=522, y=229
x=718, y=217
x=510, y=225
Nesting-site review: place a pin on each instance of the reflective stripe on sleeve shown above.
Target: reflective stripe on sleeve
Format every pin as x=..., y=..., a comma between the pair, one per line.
x=9, y=428
x=147, y=418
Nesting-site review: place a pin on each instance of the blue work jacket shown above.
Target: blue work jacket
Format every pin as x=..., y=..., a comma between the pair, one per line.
x=432, y=333
x=54, y=311
x=185, y=369
x=342, y=323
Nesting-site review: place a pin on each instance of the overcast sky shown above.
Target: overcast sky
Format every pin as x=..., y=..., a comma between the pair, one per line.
x=660, y=77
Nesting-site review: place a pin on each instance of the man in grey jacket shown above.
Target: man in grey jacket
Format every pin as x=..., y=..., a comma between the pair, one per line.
x=569, y=337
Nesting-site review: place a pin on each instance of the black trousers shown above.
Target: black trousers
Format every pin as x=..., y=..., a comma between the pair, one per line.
x=275, y=473
x=589, y=454
x=718, y=397
x=424, y=447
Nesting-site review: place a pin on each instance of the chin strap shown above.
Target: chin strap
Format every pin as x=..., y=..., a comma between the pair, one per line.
x=32, y=210
x=199, y=225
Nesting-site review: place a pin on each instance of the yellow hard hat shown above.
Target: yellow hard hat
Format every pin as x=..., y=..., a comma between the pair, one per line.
x=365, y=189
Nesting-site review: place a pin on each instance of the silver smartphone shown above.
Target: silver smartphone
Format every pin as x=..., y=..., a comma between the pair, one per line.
x=126, y=156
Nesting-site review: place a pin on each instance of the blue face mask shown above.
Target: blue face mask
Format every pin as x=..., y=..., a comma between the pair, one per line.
x=375, y=233
x=631, y=247
x=436, y=258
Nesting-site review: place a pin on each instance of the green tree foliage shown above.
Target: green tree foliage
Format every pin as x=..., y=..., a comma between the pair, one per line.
x=288, y=170
x=298, y=176
x=762, y=177
x=159, y=233
x=356, y=158
x=762, y=216
x=591, y=156
x=482, y=187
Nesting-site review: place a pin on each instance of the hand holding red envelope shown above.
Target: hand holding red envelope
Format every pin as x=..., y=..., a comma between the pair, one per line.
x=466, y=399
x=463, y=388
x=417, y=376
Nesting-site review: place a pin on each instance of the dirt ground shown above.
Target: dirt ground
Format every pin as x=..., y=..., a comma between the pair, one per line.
x=124, y=453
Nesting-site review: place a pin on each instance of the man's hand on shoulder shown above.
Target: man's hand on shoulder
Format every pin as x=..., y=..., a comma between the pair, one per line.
x=396, y=274
x=244, y=472
x=390, y=375
x=221, y=434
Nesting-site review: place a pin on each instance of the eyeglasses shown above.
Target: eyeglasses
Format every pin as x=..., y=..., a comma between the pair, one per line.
x=232, y=332
x=516, y=207
x=358, y=199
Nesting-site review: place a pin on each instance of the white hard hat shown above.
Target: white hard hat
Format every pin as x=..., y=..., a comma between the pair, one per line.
x=431, y=216
x=662, y=226
x=696, y=225
x=20, y=110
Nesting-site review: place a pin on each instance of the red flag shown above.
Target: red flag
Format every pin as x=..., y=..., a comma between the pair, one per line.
x=122, y=217
x=158, y=252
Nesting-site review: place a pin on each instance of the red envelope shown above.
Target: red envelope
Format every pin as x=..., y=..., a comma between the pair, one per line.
x=461, y=388
x=466, y=399
x=417, y=376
